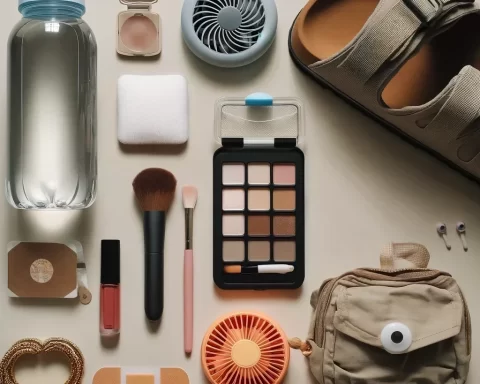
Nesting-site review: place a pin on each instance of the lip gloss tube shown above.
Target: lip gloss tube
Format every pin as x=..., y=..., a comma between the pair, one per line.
x=110, y=288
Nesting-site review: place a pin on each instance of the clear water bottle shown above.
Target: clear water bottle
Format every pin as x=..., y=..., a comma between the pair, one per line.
x=52, y=107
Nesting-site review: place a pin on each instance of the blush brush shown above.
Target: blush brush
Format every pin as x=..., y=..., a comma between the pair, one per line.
x=155, y=190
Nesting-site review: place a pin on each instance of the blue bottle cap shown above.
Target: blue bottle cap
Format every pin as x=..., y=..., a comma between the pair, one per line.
x=81, y=2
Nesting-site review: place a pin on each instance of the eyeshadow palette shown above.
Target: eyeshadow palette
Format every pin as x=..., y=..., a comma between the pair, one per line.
x=259, y=197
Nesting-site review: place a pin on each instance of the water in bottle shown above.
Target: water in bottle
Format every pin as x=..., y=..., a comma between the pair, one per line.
x=52, y=107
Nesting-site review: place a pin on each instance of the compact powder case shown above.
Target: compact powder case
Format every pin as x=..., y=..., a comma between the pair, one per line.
x=258, y=200
x=139, y=29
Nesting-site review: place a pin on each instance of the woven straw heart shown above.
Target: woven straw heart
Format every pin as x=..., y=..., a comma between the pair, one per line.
x=36, y=347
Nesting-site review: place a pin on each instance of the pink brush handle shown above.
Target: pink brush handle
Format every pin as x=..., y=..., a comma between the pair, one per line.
x=188, y=301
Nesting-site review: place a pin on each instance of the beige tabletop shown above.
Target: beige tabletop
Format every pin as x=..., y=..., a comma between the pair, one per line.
x=365, y=187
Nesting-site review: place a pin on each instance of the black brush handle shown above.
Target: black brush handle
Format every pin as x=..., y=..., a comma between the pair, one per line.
x=154, y=227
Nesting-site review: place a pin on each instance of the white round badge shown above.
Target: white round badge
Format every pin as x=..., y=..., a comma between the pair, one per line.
x=396, y=338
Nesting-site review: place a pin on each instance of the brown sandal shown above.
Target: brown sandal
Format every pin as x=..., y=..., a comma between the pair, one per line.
x=411, y=64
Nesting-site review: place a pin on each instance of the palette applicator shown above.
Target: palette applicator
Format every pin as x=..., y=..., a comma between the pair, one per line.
x=155, y=190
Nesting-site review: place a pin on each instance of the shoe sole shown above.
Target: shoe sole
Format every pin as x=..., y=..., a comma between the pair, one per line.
x=325, y=84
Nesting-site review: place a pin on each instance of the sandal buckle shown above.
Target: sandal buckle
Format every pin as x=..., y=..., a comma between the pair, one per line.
x=419, y=12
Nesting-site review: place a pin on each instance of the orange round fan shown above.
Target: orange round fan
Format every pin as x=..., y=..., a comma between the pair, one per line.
x=245, y=348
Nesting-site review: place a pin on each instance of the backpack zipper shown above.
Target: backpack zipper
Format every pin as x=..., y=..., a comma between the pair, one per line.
x=326, y=291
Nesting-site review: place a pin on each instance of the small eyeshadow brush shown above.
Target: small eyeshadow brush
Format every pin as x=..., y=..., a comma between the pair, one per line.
x=190, y=196
x=155, y=190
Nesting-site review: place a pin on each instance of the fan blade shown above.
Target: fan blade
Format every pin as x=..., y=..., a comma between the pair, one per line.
x=198, y=24
x=243, y=322
x=245, y=5
x=207, y=33
x=228, y=334
x=223, y=2
x=260, y=373
x=251, y=329
x=229, y=375
x=223, y=44
x=216, y=39
x=251, y=31
x=254, y=17
x=211, y=4
x=242, y=42
x=221, y=367
x=230, y=41
x=249, y=9
x=206, y=8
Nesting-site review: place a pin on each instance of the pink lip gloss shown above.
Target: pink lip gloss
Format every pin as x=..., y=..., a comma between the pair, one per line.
x=110, y=288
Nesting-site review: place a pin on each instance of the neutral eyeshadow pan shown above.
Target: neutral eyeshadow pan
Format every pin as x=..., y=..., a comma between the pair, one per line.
x=284, y=174
x=284, y=251
x=233, y=174
x=233, y=251
x=284, y=225
x=284, y=200
x=233, y=225
x=259, y=225
x=233, y=199
x=259, y=251
x=259, y=199
x=258, y=174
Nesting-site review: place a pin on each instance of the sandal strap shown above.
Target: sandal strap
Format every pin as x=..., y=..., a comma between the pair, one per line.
x=387, y=32
x=461, y=109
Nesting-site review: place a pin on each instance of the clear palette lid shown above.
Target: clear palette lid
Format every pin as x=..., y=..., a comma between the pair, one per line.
x=259, y=118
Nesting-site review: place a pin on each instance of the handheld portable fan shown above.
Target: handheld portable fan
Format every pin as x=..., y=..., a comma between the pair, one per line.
x=229, y=33
x=245, y=348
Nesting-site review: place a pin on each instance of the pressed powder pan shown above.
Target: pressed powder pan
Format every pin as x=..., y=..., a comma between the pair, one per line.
x=139, y=29
x=326, y=27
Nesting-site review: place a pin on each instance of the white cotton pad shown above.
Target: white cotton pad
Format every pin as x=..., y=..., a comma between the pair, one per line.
x=152, y=109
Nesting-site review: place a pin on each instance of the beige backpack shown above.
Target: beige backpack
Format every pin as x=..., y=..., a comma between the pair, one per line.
x=402, y=323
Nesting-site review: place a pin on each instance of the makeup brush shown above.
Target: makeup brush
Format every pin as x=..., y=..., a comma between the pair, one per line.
x=155, y=190
x=190, y=196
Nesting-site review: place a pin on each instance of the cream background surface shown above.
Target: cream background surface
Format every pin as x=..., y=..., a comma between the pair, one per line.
x=365, y=187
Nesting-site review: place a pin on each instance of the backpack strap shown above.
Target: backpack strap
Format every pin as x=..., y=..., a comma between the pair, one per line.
x=449, y=130
x=391, y=29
